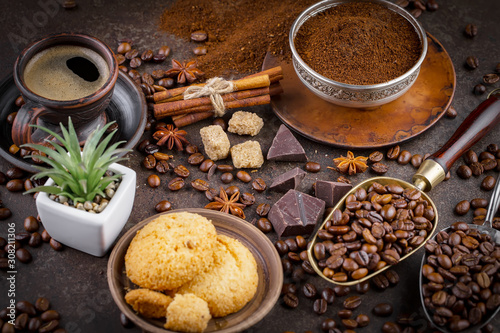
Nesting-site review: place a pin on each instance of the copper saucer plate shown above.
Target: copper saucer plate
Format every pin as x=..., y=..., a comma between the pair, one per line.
x=389, y=124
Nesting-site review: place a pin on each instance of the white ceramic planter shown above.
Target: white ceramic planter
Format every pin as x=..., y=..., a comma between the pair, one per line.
x=90, y=233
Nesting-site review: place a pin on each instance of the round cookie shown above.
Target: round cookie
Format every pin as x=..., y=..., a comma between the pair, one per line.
x=187, y=313
x=148, y=303
x=170, y=251
x=230, y=283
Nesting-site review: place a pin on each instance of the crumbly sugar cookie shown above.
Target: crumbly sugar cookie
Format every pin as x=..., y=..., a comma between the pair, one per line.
x=231, y=282
x=148, y=303
x=170, y=251
x=187, y=313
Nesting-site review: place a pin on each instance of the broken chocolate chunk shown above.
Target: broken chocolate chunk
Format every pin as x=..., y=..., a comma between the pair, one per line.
x=331, y=192
x=289, y=180
x=286, y=147
x=296, y=213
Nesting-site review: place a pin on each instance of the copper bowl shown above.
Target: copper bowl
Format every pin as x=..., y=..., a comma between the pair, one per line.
x=268, y=266
x=350, y=95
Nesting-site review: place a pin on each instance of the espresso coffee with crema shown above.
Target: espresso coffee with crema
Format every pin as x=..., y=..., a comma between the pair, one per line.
x=66, y=72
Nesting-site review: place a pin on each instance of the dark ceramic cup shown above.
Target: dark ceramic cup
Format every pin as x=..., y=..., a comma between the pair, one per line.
x=86, y=113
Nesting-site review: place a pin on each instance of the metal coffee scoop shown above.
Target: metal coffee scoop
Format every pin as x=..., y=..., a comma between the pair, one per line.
x=486, y=228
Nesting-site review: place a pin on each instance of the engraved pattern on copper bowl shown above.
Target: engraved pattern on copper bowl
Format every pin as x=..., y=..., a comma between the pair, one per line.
x=350, y=95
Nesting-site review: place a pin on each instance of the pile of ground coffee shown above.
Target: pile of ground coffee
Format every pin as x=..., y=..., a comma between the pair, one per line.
x=358, y=43
x=240, y=32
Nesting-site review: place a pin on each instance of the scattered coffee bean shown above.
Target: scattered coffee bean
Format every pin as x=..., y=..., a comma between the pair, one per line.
x=382, y=310
x=164, y=50
x=363, y=287
x=205, y=165
x=479, y=203
x=159, y=58
x=309, y=290
x=392, y=277
x=488, y=183
x=291, y=300
x=200, y=185
x=126, y=323
x=404, y=157
x=154, y=181
x=176, y=184
x=46, y=237
x=313, y=167
x=123, y=48
x=472, y=62
x=464, y=172
x=328, y=325
x=211, y=193
x=181, y=171
x=31, y=224
x=49, y=315
x=375, y=157
x=341, y=291
x=470, y=157
x=490, y=79
x=199, y=36
x=263, y=209
x=416, y=12
x=23, y=255
x=243, y=176
x=147, y=55
x=477, y=169
x=5, y=213
x=247, y=199
x=416, y=160
x=470, y=30
x=162, y=166
x=55, y=244
x=166, y=82
x=15, y=185
x=352, y=302
x=163, y=206
x=200, y=50
x=196, y=159
x=232, y=190
x=259, y=185
x=462, y=207
x=264, y=225
x=479, y=89
x=221, y=122
x=379, y=168
x=35, y=240
x=391, y=327
x=135, y=62
x=320, y=306
x=393, y=153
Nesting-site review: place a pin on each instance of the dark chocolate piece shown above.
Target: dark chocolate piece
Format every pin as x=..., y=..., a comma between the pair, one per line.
x=331, y=192
x=296, y=213
x=289, y=180
x=286, y=147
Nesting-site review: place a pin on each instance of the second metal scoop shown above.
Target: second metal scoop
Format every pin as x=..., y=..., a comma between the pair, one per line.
x=495, y=237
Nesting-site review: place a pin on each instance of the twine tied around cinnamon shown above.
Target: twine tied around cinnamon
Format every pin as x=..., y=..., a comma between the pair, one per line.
x=213, y=88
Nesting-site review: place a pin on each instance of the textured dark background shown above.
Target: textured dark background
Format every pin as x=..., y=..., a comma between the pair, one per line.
x=76, y=283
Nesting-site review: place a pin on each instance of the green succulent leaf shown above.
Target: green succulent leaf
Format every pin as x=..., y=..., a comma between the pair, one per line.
x=77, y=174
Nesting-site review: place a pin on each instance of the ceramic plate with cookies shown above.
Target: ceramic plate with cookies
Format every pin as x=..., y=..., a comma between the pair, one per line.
x=165, y=265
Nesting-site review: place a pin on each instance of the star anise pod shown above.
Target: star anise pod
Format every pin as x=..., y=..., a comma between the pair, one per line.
x=171, y=136
x=185, y=71
x=350, y=164
x=227, y=205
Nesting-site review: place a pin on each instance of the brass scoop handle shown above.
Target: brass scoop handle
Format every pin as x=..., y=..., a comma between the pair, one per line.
x=474, y=127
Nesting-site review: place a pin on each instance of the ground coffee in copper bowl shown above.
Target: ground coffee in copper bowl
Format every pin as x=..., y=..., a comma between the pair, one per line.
x=360, y=43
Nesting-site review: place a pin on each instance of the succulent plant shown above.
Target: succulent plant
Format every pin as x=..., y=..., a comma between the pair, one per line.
x=78, y=175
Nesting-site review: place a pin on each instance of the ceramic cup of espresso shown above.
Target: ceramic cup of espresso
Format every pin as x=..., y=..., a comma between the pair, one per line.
x=61, y=76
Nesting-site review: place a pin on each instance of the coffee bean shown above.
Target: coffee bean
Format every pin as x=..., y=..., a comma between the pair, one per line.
x=26, y=307
x=464, y=172
x=328, y=325
x=479, y=203
x=42, y=304
x=479, y=89
x=181, y=171
x=380, y=281
x=352, y=302
x=46, y=237
x=200, y=185
x=243, y=176
x=392, y=276
x=470, y=30
x=232, y=190
x=309, y=290
x=151, y=149
x=462, y=207
x=15, y=185
x=220, y=122
x=382, y=310
x=488, y=183
x=281, y=247
x=5, y=213
x=162, y=166
x=176, y=184
x=472, y=62
x=163, y=206
x=391, y=327
x=159, y=58
x=259, y=185
x=416, y=160
x=23, y=255
x=488, y=164
x=402, y=3
x=200, y=50
x=164, y=50
x=264, y=225
x=247, y=199
x=477, y=169
x=149, y=162
x=123, y=48
x=35, y=240
x=56, y=245
x=490, y=79
x=393, y=153
x=363, y=287
x=21, y=321
x=320, y=306
x=135, y=62
x=154, y=181
x=344, y=313
x=375, y=157
x=196, y=159
x=263, y=209
x=416, y=12
x=49, y=327
x=199, y=36
x=167, y=82
x=313, y=167
x=404, y=157
x=206, y=165
x=291, y=300
x=50, y=315
x=379, y=168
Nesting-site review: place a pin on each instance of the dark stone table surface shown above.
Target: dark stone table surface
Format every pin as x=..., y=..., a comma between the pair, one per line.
x=76, y=282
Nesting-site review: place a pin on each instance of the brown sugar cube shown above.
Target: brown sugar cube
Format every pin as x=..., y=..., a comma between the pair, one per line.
x=247, y=155
x=215, y=141
x=245, y=123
